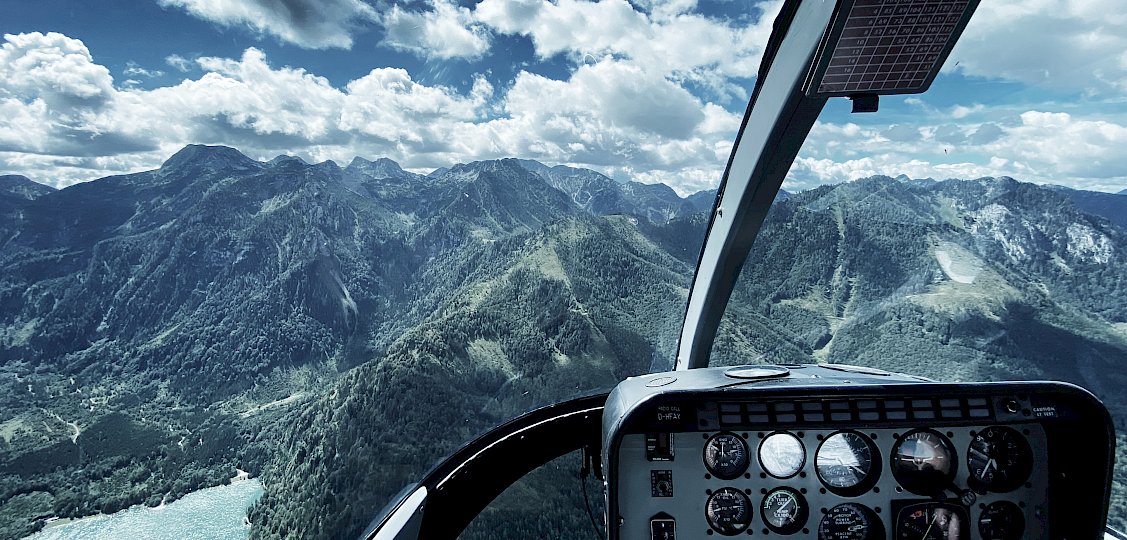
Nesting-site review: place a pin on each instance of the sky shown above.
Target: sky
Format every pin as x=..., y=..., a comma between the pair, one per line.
x=650, y=90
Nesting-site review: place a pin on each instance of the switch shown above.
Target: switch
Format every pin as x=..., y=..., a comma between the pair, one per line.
x=663, y=527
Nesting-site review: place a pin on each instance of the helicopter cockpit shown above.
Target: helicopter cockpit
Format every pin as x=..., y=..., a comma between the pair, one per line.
x=827, y=451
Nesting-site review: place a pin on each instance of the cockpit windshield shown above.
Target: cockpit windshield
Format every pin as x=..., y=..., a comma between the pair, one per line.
x=263, y=264
x=972, y=233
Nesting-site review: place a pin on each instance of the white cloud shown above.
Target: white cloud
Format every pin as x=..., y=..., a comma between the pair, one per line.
x=1035, y=146
x=53, y=68
x=413, y=119
x=249, y=94
x=667, y=9
x=63, y=120
x=1060, y=44
x=613, y=96
x=670, y=40
x=179, y=62
x=962, y=111
x=1053, y=145
x=54, y=99
x=445, y=31
x=612, y=114
x=314, y=24
x=245, y=103
x=615, y=117
x=134, y=70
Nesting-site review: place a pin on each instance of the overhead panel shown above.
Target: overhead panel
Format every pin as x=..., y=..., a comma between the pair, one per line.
x=887, y=46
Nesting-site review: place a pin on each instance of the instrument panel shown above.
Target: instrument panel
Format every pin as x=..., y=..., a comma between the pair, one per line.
x=814, y=457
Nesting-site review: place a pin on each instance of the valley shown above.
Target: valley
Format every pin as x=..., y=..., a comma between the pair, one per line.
x=336, y=330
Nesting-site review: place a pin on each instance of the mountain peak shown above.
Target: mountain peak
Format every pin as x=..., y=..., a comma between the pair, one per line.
x=286, y=158
x=380, y=168
x=23, y=187
x=199, y=154
x=502, y=165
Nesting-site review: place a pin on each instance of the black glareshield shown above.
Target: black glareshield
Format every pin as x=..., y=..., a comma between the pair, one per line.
x=884, y=452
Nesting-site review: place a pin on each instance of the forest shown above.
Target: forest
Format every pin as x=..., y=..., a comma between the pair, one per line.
x=336, y=331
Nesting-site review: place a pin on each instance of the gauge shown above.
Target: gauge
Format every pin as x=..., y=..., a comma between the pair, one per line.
x=726, y=455
x=850, y=521
x=782, y=455
x=932, y=521
x=924, y=462
x=784, y=510
x=728, y=511
x=999, y=459
x=847, y=463
x=1001, y=520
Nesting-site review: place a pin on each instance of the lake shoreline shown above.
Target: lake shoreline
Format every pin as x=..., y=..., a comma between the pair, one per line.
x=107, y=525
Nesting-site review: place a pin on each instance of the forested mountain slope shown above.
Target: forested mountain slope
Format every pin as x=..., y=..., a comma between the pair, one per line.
x=337, y=330
x=957, y=280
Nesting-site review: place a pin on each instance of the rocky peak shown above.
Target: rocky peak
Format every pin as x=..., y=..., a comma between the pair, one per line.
x=217, y=157
x=22, y=187
x=380, y=168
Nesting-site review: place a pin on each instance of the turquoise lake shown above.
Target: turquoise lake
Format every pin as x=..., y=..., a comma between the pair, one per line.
x=214, y=514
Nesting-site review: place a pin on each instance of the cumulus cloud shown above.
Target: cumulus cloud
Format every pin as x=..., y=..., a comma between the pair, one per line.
x=612, y=114
x=55, y=99
x=63, y=119
x=1060, y=44
x=444, y=31
x=669, y=40
x=1054, y=144
x=1036, y=146
x=313, y=24
x=665, y=9
x=53, y=68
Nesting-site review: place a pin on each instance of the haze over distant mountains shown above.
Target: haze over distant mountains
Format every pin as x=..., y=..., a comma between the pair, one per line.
x=338, y=329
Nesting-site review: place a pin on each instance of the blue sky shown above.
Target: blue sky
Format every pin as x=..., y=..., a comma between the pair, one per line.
x=651, y=90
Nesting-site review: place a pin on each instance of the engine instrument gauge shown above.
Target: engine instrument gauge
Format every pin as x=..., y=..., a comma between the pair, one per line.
x=999, y=459
x=726, y=455
x=784, y=510
x=782, y=455
x=924, y=462
x=847, y=463
x=931, y=521
x=850, y=521
x=728, y=511
x=1001, y=520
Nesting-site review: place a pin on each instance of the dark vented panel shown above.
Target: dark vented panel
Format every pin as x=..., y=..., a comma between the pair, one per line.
x=733, y=414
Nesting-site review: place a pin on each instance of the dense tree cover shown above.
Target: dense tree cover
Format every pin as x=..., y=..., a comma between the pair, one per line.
x=339, y=330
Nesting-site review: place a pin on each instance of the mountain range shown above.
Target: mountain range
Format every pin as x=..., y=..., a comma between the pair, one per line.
x=337, y=330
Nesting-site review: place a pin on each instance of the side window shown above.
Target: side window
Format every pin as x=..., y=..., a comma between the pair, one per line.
x=548, y=503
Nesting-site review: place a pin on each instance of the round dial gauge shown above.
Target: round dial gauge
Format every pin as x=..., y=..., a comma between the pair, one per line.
x=999, y=459
x=932, y=521
x=924, y=462
x=728, y=511
x=726, y=455
x=847, y=463
x=850, y=521
x=784, y=510
x=1001, y=520
x=782, y=455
